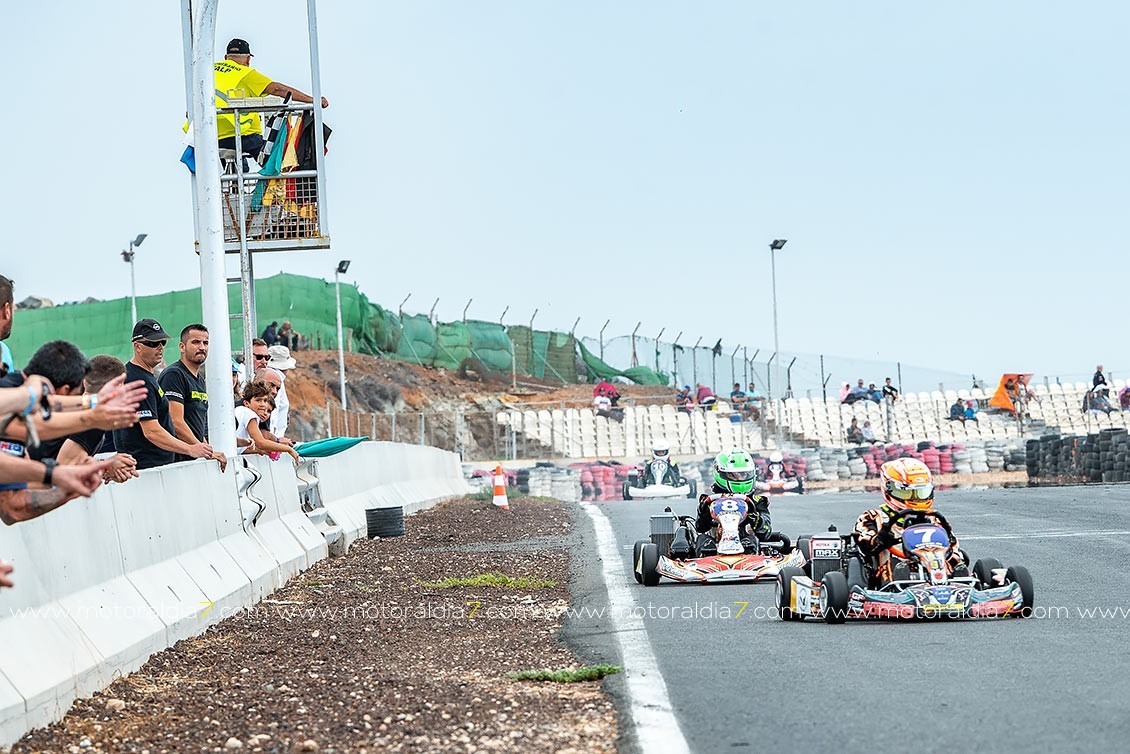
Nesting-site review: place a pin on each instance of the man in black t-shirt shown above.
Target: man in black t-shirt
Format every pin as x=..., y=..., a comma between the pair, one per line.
x=184, y=386
x=152, y=440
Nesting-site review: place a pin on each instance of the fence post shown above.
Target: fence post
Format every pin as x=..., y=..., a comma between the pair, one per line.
x=373, y=436
x=329, y=419
x=421, y=442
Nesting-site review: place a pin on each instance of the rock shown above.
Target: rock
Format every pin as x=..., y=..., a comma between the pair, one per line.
x=115, y=705
x=233, y=743
x=85, y=743
x=308, y=745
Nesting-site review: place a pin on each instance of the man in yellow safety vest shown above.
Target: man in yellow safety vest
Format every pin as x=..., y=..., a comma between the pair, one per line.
x=236, y=79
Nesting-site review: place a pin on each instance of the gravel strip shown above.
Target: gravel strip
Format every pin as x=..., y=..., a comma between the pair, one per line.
x=356, y=656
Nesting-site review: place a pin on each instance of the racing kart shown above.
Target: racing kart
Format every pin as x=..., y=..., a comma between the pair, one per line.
x=777, y=481
x=722, y=553
x=835, y=583
x=658, y=478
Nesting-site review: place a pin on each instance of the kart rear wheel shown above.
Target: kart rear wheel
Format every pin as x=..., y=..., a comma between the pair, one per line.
x=636, y=560
x=834, y=597
x=624, y=489
x=648, y=564
x=1020, y=575
x=983, y=571
x=785, y=592
x=803, y=546
x=694, y=489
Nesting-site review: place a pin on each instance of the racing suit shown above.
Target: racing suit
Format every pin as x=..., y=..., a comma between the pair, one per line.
x=672, y=471
x=878, y=529
x=757, y=516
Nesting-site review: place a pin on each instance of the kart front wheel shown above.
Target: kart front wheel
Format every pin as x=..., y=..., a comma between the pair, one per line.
x=785, y=592
x=624, y=490
x=983, y=571
x=694, y=489
x=1020, y=576
x=834, y=597
x=636, y=560
x=647, y=565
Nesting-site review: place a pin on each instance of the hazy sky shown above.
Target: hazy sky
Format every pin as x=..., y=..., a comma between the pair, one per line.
x=951, y=177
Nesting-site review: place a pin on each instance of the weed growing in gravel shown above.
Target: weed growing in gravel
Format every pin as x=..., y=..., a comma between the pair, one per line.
x=588, y=673
x=495, y=580
x=487, y=495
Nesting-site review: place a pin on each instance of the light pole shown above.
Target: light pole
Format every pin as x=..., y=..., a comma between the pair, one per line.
x=127, y=256
x=776, y=246
x=342, y=268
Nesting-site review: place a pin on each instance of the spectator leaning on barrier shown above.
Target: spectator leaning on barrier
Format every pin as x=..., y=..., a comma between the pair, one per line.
x=7, y=312
x=80, y=447
x=274, y=382
x=251, y=416
x=152, y=440
x=183, y=384
x=854, y=433
x=282, y=362
x=873, y=394
x=112, y=408
x=890, y=392
x=66, y=364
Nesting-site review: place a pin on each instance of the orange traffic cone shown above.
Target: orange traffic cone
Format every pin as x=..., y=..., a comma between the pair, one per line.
x=500, y=489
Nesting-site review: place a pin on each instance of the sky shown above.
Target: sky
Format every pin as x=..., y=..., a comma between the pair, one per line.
x=950, y=177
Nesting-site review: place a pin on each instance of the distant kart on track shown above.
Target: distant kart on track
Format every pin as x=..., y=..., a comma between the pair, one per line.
x=777, y=480
x=677, y=552
x=658, y=479
x=833, y=583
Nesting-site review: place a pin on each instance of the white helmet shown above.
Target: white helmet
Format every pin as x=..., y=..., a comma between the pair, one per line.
x=660, y=448
x=776, y=458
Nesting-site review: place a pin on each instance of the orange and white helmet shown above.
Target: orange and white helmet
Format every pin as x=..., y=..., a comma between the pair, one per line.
x=907, y=485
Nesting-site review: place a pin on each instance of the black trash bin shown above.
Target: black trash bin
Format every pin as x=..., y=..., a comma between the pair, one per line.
x=385, y=522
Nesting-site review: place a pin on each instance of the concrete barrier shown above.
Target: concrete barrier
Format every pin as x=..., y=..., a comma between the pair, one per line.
x=384, y=475
x=103, y=583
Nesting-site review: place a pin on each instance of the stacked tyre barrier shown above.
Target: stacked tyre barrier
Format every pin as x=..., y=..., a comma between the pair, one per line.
x=1079, y=459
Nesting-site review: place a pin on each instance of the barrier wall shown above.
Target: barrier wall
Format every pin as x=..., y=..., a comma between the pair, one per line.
x=105, y=582
x=385, y=475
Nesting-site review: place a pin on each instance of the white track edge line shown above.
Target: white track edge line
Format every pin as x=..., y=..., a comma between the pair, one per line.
x=657, y=729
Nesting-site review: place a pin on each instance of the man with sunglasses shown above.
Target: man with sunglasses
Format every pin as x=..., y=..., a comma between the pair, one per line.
x=908, y=488
x=152, y=440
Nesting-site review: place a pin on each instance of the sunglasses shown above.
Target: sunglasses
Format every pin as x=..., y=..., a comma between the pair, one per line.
x=261, y=356
x=152, y=343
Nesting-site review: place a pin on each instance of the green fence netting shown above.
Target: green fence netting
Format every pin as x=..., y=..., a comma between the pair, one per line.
x=104, y=327
x=640, y=375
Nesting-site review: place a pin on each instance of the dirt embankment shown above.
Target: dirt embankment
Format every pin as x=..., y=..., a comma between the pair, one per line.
x=371, y=653
x=376, y=385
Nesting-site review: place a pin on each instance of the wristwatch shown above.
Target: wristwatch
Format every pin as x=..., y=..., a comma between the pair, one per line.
x=49, y=465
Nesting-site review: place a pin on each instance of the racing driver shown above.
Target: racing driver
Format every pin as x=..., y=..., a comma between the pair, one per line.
x=661, y=451
x=908, y=488
x=734, y=476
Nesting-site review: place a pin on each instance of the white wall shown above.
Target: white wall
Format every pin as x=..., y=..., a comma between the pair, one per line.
x=105, y=582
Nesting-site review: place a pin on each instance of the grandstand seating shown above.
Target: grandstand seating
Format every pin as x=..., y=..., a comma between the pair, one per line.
x=807, y=422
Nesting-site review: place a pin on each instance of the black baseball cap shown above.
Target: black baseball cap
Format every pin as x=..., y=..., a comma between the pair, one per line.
x=149, y=329
x=239, y=47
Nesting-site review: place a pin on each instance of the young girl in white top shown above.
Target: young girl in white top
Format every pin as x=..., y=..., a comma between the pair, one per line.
x=251, y=416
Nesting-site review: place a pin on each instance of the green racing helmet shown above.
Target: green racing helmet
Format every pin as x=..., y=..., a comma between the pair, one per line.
x=735, y=471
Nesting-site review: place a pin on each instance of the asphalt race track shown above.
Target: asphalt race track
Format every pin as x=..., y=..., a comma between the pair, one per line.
x=1057, y=682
